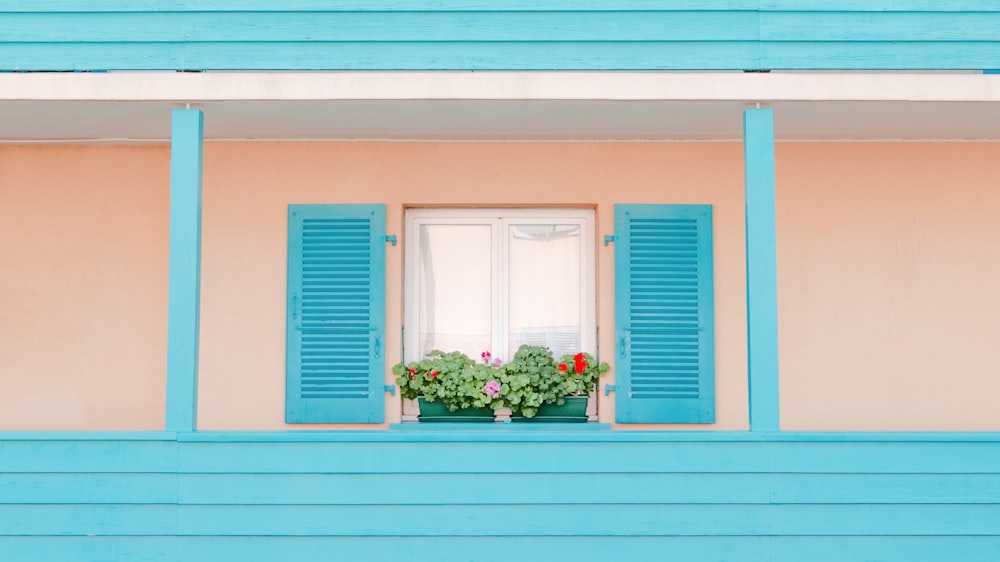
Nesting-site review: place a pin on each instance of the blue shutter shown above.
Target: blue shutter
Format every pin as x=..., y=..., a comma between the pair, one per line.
x=336, y=314
x=665, y=345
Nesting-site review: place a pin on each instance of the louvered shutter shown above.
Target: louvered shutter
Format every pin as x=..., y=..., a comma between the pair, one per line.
x=665, y=350
x=336, y=314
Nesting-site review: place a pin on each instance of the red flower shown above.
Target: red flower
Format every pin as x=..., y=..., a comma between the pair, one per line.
x=562, y=367
x=413, y=371
x=581, y=364
x=434, y=375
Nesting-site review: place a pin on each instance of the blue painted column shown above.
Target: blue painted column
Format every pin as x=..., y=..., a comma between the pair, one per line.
x=762, y=271
x=185, y=269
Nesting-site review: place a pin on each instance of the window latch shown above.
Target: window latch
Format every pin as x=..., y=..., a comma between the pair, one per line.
x=608, y=389
x=609, y=238
x=389, y=238
x=391, y=389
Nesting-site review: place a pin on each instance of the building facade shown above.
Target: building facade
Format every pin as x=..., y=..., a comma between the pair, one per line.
x=159, y=161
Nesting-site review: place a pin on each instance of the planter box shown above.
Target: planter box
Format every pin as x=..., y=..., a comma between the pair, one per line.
x=437, y=412
x=573, y=411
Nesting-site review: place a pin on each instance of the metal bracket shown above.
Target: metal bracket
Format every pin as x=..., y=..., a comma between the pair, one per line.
x=391, y=389
x=608, y=389
x=389, y=238
x=609, y=238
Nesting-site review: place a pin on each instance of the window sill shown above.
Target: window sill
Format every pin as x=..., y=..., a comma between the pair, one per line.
x=500, y=426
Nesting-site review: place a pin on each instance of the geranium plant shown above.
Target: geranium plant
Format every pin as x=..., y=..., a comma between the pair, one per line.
x=529, y=380
x=579, y=374
x=452, y=378
x=532, y=378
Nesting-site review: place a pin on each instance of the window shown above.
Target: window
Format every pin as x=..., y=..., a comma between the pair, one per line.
x=479, y=279
x=494, y=279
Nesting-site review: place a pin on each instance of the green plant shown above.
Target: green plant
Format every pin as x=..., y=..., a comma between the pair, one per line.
x=530, y=380
x=453, y=378
x=578, y=375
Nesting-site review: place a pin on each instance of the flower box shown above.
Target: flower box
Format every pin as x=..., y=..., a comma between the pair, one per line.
x=437, y=412
x=574, y=410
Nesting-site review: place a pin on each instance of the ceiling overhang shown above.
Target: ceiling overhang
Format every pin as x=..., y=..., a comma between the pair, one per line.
x=498, y=106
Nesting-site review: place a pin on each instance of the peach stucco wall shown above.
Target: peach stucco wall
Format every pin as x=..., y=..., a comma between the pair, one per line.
x=889, y=285
x=248, y=188
x=887, y=269
x=83, y=287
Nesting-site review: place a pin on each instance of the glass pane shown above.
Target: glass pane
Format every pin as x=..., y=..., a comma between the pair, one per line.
x=455, y=285
x=545, y=284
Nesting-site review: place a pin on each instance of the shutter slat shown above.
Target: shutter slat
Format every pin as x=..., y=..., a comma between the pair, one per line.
x=336, y=313
x=664, y=314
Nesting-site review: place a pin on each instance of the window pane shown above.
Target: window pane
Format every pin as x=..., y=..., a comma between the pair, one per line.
x=545, y=283
x=455, y=285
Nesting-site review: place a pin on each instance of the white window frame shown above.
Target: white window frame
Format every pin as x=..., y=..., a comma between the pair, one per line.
x=499, y=219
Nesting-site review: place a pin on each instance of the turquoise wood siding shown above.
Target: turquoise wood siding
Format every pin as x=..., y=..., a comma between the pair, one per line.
x=503, y=34
x=500, y=495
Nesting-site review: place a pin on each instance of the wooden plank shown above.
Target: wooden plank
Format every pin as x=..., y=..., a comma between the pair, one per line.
x=134, y=27
x=87, y=520
x=104, y=6
x=87, y=456
x=889, y=27
x=502, y=520
x=880, y=5
x=75, y=6
x=440, y=489
x=486, y=457
x=492, y=457
x=88, y=488
x=733, y=55
x=871, y=55
x=596, y=488
x=380, y=56
x=483, y=549
x=376, y=26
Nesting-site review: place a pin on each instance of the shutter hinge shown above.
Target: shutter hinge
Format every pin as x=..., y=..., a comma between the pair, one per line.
x=609, y=238
x=608, y=389
x=391, y=389
x=389, y=238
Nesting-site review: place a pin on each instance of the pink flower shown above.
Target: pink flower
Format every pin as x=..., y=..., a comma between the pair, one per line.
x=492, y=389
x=497, y=362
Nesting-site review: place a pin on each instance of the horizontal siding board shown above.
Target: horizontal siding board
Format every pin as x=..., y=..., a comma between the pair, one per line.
x=381, y=56
x=75, y=6
x=863, y=55
x=865, y=26
x=483, y=549
x=597, y=488
x=104, y=6
x=87, y=519
x=445, y=458
x=501, y=520
x=84, y=488
x=261, y=27
x=932, y=6
x=586, y=27
x=490, y=457
x=532, y=488
x=499, y=56
x=87, y=456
